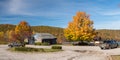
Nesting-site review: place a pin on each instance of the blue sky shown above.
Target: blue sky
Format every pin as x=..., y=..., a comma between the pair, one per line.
x=104, y=13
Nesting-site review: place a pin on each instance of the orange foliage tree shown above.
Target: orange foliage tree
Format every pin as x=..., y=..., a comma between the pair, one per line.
x=23, y=30
x=81, y=28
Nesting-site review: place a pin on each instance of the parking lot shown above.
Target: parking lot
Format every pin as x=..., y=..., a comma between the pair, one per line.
x=69, y=53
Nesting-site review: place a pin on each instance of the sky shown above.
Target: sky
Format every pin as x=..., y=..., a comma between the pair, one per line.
x=104, y=13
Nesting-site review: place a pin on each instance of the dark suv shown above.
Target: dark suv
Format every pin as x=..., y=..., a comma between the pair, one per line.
x=109, y=44
x=15, y=44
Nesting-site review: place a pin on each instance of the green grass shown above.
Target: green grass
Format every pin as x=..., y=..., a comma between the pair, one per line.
x=1, y=43
x=38, y=43
x=42, y=44
x=56, y=47
x=29, y=49
x=116, y=57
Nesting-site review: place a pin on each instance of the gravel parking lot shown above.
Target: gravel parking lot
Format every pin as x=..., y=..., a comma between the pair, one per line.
x=69, y=53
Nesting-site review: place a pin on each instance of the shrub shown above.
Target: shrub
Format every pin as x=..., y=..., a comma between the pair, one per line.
x=38, y=43
x=27, y=49
x=56, y=47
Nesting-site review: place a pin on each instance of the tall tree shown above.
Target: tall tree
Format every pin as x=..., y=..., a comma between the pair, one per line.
x=23, y=30
x=81, y=28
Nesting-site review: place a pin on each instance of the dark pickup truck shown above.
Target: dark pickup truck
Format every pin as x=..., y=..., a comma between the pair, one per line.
x=15, y=44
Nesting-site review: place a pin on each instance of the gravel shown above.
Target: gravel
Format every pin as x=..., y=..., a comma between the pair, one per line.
x=69, y=53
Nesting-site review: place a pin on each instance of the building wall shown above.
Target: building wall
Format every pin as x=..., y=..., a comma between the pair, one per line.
x=43, y=37
x=50, y=41
x=38, y=40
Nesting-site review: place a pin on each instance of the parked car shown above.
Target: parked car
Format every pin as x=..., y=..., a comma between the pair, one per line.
x=91, y=43
x=82, y=43
x=109, y=44
x=15, y=44
x=96, y=43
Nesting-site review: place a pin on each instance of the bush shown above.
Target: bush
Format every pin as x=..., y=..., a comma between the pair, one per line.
x=38, y=43
x=56, y=47
x=27, y=49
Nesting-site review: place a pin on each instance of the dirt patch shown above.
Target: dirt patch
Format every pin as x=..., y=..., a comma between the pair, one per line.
x=69, y=53
x=88, y=51
x=81, y=51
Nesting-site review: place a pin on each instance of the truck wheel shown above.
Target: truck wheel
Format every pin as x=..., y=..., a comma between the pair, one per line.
x=103, y=48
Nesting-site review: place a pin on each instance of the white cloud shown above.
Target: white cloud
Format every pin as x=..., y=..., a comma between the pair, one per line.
x=38, y=8
x=21, y=7
x=18, y=7
x=115, y=24
x=15, y=6
x=109, y=12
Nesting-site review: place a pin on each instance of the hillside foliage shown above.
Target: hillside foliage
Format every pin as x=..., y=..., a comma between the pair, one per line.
x=58, y=32
x=106, y=34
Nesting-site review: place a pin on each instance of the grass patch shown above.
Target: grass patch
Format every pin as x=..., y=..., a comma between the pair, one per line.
x=56, y=47
x=38, y=43
x=116, y=57
x=42, y=44
x=1, y=43
x=29, y=49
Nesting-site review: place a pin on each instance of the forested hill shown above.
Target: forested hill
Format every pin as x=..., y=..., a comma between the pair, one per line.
x=109, y=34
x=58, y=32
x=5, y=27
x=43, y=29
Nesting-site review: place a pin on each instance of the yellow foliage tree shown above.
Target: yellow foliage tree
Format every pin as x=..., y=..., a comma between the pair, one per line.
x=1, y=35
x=11, y=36
x=81, y=28
x=23, y=30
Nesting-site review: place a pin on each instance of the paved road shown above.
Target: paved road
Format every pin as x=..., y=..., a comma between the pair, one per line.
x=69, y=53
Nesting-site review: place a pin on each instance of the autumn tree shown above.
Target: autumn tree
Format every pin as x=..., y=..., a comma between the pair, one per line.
x=11, y=36
x=23, y=30
x=81, y=28
x=1, y=36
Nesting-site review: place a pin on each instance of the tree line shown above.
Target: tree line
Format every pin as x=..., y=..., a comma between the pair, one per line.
x=80, y=28
x=58, y=32
x=7, y=29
